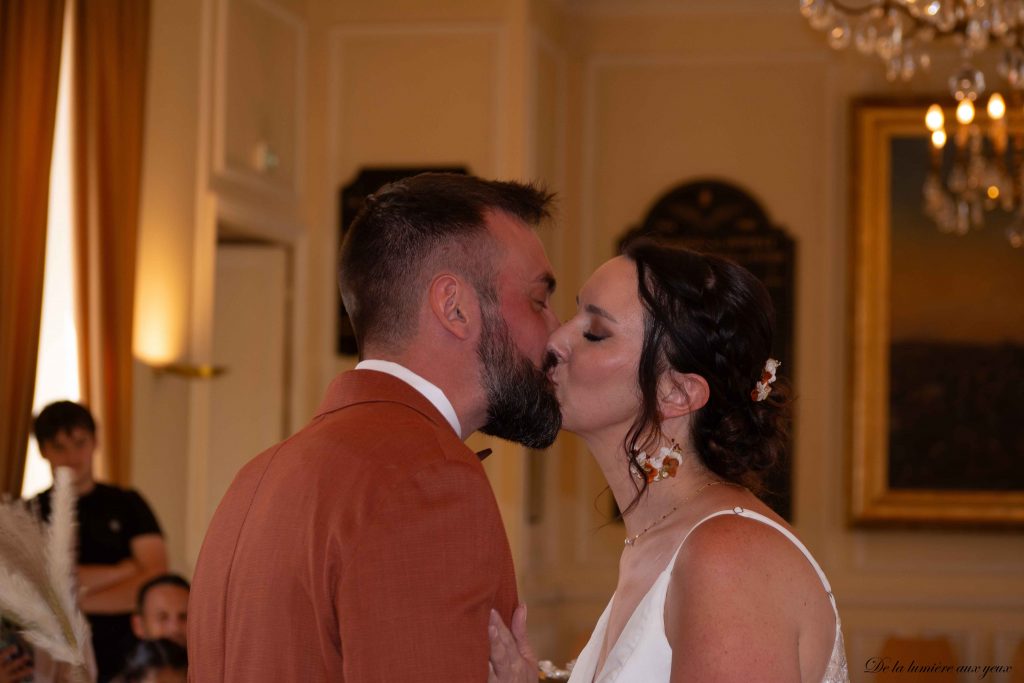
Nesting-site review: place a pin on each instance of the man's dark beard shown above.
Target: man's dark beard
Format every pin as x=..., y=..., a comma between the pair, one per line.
x=521, y=403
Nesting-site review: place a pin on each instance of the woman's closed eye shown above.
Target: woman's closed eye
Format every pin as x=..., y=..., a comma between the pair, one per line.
x=590, y=336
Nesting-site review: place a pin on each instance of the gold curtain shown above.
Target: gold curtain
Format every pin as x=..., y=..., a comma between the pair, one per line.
x=30, y=43
x=111, y=39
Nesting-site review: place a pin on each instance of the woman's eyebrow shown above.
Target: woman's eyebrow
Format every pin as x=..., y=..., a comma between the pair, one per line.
x=597, y=310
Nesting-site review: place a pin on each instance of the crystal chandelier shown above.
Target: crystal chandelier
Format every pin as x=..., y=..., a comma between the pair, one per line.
x=985, y=172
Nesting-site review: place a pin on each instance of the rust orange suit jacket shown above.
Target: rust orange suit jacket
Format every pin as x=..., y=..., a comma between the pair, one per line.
x=366, y=547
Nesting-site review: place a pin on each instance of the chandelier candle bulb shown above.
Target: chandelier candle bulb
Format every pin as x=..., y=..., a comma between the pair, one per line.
x=965, y=111
x=938, y=139
x=996, y=106
x=934, y=119
x=839, y=36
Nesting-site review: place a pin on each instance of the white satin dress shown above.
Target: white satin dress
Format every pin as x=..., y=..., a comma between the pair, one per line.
x=642, y=653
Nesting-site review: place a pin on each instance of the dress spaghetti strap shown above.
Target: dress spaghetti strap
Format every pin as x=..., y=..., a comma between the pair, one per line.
x=750, y=514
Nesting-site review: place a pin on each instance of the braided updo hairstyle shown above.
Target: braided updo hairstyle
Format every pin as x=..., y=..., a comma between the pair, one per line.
x=709, y=316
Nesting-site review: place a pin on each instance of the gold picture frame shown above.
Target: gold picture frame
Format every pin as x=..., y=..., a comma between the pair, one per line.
x=883, y=134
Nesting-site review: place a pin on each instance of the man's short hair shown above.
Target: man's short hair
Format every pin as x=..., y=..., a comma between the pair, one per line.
x=62, y=416
x=162, y=580
x=414, y=227
x=149, y=656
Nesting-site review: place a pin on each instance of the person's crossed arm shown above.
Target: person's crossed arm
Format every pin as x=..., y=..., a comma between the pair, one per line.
x=113, y=589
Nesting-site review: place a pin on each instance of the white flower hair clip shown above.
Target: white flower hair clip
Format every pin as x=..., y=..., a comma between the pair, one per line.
x=763, y=386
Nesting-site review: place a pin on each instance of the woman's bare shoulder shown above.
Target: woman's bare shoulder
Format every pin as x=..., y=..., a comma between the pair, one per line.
x=732, y=548
x=740, y=585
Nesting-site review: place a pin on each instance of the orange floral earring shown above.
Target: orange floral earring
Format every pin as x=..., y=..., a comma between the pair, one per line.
x=665, y=464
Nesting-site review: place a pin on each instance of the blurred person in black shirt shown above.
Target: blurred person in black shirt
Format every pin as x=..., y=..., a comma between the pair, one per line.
x=120, y=546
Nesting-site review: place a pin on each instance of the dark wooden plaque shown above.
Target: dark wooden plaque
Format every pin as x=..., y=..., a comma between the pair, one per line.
x=351, y=198
x=720, y=218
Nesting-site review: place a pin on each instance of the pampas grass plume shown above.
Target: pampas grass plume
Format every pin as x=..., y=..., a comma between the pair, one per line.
x=37, y=576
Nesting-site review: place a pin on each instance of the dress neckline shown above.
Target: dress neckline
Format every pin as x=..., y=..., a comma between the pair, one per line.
x=639, y=612
x=629, y=637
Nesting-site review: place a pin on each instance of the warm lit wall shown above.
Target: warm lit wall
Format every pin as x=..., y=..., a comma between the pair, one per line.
x=611, y=103
x=225, y=146
x=326, y=88
x=165, y=265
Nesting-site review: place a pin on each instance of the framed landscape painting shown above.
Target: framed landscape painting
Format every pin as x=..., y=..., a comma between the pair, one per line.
x=936, y=419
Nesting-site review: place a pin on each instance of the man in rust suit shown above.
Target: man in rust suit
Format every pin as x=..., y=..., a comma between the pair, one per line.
x=368, y=546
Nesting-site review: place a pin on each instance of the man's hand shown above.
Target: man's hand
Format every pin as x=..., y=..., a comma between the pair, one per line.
x=14, y=667
x=512, y=658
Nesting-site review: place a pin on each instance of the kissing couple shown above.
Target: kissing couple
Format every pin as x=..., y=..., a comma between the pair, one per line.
x=368, y=546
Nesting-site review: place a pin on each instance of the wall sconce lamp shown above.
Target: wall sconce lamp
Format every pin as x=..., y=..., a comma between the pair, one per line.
x=161, y=324
x=188, y=371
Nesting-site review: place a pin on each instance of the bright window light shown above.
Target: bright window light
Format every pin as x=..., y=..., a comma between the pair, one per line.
x=57, y=366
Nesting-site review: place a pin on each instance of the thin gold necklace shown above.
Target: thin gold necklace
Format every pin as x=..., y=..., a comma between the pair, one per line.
x=631, y=540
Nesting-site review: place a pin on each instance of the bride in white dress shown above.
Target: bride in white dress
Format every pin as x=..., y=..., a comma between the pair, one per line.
x=665, y=373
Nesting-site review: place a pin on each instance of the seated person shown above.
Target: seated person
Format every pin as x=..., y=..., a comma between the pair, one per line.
x=22, y=663
x=162, y=609
x=120, y=546
x=15, y=660
x=155, y=661
x=15, y=665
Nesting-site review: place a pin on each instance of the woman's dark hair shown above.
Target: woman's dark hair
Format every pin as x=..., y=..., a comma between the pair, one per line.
x=152, y=655
x=708, y=316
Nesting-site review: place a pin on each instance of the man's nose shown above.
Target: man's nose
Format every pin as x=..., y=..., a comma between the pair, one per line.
x=551, y=320
x=558, y=345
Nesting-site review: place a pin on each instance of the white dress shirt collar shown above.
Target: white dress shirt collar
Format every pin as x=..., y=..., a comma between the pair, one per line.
x=430, y=391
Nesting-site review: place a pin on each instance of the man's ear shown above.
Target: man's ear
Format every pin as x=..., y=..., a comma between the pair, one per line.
x=454, y=305
x=681, y=393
